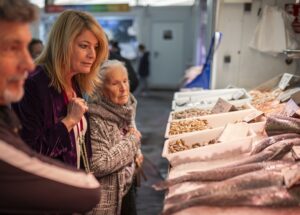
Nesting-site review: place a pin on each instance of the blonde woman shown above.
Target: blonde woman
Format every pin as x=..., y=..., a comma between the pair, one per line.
x=115, y=141
x=53, y=112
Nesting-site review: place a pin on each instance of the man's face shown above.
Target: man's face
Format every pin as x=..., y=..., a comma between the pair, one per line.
x=37, y=50
x=15, y=60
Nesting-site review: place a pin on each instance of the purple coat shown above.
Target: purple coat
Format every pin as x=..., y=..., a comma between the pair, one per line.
x=41, y=111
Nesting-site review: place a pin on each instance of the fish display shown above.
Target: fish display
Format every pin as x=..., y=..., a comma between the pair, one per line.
x=220, y=174
x=273, y=196
x=261, y=145
x=268, y=176
x=252, y=180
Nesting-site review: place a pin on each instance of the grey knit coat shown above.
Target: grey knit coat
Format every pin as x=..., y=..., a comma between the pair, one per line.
x=113, y=151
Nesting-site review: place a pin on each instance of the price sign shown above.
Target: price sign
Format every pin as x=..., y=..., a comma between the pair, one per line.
x=284, y=82
x=253, y=116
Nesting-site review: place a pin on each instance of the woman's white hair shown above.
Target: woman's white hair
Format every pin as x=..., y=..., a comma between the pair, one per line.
x=104, y=69
x=106, y=66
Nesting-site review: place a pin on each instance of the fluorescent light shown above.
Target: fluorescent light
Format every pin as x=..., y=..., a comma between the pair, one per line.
x=237, y=1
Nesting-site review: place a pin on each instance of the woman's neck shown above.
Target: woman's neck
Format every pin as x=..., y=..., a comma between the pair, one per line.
x=70, y=92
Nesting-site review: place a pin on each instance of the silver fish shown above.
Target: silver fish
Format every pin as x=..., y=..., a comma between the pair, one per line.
x=277, y=124
x=252, y=180
x=274, y=152
x=268, y=197
x=220, y=174
x=261, y=145
x=281, y=148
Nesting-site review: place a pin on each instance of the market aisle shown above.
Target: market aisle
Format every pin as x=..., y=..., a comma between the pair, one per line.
x=152, y=115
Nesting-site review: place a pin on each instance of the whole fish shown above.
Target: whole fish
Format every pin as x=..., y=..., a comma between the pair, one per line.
x=277, y=124
x=283, y=148
x=252, y=180
x=261, y=145
x=268, y=197
x=274, y=152
x=220, y=174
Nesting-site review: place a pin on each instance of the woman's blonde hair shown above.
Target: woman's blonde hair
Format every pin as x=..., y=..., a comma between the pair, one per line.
x=56, y=56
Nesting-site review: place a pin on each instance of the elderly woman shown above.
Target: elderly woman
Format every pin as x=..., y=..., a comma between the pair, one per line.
x=115, y=140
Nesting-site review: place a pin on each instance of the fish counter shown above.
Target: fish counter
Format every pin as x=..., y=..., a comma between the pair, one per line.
x=232, y=157
x=239, y=211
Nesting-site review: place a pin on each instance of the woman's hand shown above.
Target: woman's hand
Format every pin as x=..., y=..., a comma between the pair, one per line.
x=76, y=108
x=135, y=132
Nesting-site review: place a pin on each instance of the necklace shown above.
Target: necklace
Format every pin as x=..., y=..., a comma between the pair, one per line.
x=84, y=155
x=81, y=137
x=82, y=146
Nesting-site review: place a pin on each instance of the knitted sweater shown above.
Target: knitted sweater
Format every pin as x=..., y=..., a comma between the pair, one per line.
x=113, y=151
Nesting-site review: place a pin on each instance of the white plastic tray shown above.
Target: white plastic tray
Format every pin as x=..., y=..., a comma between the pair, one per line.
x=184, y=94
x=247, y=105
x=216, y=120
x=203, y=104
x=207, y=93
x=210, y=152
x=207, y=98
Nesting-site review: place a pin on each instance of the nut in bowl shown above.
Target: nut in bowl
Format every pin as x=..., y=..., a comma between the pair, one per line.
x=187, y=126
x=204, y=146
x=180, y=145
x=178, y=127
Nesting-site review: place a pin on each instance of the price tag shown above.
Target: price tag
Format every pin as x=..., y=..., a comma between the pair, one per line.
x=221, y=106
x=253, y=116
x=284, y=82
x=290, y=109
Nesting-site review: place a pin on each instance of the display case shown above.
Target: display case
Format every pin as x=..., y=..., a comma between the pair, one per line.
x=208, y=98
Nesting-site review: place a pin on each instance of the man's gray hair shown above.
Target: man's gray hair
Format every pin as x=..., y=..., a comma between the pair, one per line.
x=18, y=11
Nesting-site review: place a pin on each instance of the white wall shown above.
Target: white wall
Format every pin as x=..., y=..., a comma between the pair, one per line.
x=248, y=68
x=211, y=8
x=184, y=15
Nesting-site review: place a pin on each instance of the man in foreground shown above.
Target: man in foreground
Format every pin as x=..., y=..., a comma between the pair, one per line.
x=30, y=183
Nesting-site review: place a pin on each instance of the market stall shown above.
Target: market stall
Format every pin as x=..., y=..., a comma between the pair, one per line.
x=234, y=152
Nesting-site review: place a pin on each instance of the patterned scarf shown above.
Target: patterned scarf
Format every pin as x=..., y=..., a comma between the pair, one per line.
x=122, y=115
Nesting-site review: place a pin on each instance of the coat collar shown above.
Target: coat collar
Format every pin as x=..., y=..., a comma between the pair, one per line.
x=109, y=111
